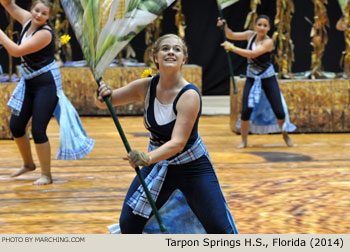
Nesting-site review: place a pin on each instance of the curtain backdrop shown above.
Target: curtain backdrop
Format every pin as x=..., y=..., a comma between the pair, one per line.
x=203, y=38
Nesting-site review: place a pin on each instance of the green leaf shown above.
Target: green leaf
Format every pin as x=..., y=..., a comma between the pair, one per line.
x=91, y=27
x=132, y=5
x=153, y=6
x=109, y=42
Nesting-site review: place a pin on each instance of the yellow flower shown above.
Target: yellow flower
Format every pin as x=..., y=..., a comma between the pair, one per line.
x=65, y=39
x=147, y=73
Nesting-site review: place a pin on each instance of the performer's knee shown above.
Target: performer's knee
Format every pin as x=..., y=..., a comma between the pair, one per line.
x=128, y=227
x=17, y=130
x=39, y=135
x=245, y=116
x=124, y=227
x=280, y=115
x=130, y=223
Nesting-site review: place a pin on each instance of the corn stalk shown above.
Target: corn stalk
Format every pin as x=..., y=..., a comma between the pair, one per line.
x=61, y=26
x=180, y=20
x=319, y=37
x=252, y=15
x=282, y=38
x=346, y=53
x=152, y=32
x=10, y=33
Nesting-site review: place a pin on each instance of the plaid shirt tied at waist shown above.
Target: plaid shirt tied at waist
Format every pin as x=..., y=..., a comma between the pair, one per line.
x=16, y=100
x=255, y=91
x=154, y=181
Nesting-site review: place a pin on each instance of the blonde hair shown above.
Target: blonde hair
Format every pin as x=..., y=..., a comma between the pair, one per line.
x=156, y=45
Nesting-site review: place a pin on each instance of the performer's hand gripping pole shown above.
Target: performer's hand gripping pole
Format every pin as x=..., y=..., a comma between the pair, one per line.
x=128, y=149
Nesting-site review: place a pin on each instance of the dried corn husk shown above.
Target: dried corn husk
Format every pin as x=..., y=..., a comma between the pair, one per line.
x=282, y=38
x=319, y=37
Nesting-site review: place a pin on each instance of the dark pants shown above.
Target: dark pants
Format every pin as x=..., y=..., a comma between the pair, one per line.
x=200, y=186
x=40, y=100
x=273, y=94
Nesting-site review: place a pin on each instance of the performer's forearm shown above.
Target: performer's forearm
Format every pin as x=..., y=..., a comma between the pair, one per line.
x=166, y=151
x=9, y=45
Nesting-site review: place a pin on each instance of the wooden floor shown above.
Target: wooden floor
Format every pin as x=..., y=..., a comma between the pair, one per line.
x=269, y=187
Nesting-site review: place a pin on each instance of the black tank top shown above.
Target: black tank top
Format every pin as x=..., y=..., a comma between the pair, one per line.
x=261, y=63
x=39, y=59
x=162, y=133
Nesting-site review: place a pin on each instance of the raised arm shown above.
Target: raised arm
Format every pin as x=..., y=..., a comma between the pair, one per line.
x=37, y=42
x=18, y=13
x=133, y=92
x=234, y=35
x=266, y=46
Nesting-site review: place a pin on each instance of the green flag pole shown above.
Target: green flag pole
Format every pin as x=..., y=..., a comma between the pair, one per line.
x=139, y=175
x=228, y=53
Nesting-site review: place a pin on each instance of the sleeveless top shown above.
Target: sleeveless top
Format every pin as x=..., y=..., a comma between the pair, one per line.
x=259, y=64
x=162, y=133
x=37, y=60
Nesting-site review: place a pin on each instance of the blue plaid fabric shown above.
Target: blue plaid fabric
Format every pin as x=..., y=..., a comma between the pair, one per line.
x=154, y=181
x=74, y=143
x=255, y=91
x=16, y=100
x=263, y=120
